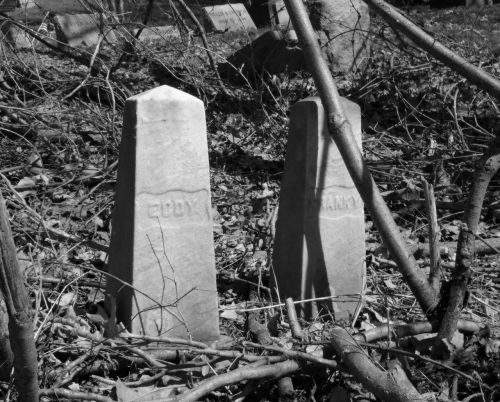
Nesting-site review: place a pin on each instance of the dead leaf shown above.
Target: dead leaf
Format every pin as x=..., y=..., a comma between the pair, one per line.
x=127, y=394
x=390, y=284
x=230, y=314
x=66, y=299
x=339, y=394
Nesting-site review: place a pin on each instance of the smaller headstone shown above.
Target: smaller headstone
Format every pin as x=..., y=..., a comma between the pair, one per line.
x=279, y=15
x=81, y=29
x=162, y=233
x=229, y=17
x=319, y=247
x=8, y=5
x=34, y=11
x=66, y=6
x=271, y=52
x=343, y=29
x=5, y=31
x=15, y=36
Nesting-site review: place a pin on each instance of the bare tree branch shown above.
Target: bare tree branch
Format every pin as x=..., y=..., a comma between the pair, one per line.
x=341, y=132
x=18, y=306
x=474, y=74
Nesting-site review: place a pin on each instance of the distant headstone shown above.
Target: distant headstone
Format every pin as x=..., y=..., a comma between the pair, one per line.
x=15, y=36
x=278, y=14
x=162, y=239
x=66, y=6
x=34, y=11
x=81, y=29
x=270, y=52
x=461, y=3
x=8, y=5
x=154, y=33
x=343, y=30
x=229, y=17
x=5, y=31
x=319, y=248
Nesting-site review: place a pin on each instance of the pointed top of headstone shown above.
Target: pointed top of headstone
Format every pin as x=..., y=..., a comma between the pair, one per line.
x=164, y=92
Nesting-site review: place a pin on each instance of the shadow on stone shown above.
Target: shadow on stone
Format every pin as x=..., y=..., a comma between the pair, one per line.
x=270, y=53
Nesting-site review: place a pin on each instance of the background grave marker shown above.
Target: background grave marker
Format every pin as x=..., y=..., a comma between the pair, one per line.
x=81, y=29
x=319, y=246
x=7, y=5
x=342, y=27
x=229, y=17
x=279, y=14
x=162, y=239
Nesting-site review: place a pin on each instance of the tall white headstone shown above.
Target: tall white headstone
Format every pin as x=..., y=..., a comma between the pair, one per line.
x=162, y=235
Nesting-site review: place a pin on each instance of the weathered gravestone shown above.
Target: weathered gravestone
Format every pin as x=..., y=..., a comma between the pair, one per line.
x=5, y=26
x=5, y=31
x=319, y=245
x=278, y=14
x=14, y=36
x=34, y=11
x=342, y=27
x=81, y=29
x=162, y=240
x=8, y=5
x=229, y=17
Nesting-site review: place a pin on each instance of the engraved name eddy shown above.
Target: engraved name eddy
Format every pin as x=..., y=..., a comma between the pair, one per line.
x=177, y=205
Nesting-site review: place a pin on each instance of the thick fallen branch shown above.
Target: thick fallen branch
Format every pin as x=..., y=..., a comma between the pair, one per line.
x=74, y=395
x=474, y=74
x=293, y=354
x=272, y=371
x=416, y=328
x=427, y=360
x=391, y=386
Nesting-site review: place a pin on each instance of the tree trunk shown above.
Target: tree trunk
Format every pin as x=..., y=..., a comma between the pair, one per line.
x=19, y=312
x=6, y=356
x=487, y=168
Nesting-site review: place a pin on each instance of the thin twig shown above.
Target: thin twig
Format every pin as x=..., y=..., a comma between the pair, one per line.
x=434, y=236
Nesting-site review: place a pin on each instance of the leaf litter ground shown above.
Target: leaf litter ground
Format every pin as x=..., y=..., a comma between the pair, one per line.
x=58, y=151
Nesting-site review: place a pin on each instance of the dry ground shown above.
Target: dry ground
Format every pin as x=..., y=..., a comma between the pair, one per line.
x=59, y=141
